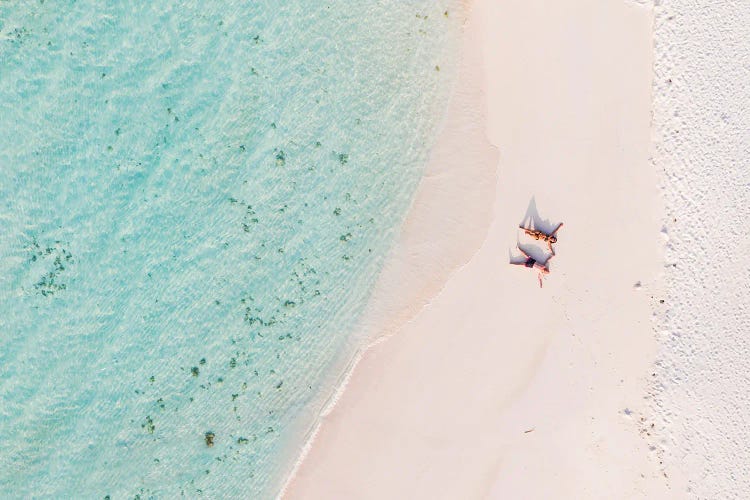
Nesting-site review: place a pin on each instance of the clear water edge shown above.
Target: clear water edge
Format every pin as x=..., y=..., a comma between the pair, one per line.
x=301, y=437
x=111, y=274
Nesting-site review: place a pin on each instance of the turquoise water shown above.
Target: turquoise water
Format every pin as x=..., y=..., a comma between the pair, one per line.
x=196, y=198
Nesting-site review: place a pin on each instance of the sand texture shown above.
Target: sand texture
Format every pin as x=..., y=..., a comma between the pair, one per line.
x=702, y=142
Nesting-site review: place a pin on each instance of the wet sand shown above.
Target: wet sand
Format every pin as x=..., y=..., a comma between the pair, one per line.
x=488, y=385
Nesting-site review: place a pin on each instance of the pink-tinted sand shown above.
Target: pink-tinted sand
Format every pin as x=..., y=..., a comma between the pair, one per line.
x=486, y=385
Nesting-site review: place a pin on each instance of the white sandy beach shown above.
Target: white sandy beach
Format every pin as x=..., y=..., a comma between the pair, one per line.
x=499, y=388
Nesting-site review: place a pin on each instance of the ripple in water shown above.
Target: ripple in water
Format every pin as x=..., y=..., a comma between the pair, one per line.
x=196, y=200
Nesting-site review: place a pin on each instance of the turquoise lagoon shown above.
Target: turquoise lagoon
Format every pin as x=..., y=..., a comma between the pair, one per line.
x=195, y=200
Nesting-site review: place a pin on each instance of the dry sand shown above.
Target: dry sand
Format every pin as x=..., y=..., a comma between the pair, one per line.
x=702, y=140
x=498, y=388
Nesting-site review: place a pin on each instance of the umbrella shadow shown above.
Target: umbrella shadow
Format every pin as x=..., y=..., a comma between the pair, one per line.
x=533, y=220
x=537, y=253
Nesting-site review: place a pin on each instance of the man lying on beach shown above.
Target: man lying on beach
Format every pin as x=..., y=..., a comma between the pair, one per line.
x=532, y=263
x=541, y=235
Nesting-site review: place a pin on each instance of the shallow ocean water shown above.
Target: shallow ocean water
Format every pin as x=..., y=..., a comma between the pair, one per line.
x=195, y=201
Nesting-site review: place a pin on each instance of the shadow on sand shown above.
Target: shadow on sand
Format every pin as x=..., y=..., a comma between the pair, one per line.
x=539, y=254
x=532, y=220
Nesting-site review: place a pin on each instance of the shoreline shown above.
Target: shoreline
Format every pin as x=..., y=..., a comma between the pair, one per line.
x=496, y=383
x=416, y=246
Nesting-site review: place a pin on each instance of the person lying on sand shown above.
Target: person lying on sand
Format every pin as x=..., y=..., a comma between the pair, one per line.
x=541, y=235
x=532, y=263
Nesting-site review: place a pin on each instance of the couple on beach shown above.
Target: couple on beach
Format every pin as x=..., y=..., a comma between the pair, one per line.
x=532, y=263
